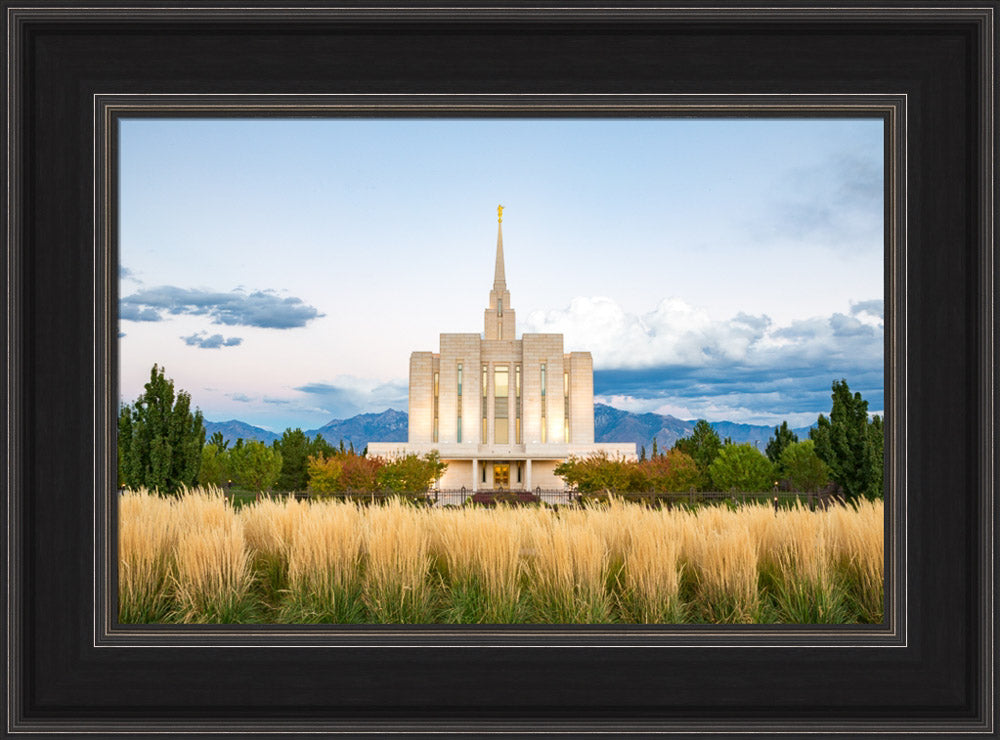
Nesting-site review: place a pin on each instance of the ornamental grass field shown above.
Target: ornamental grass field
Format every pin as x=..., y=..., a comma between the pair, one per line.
x=194, y=559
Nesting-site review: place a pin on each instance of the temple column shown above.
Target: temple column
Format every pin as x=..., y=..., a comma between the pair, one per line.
x=475, y=475
x=527, y=474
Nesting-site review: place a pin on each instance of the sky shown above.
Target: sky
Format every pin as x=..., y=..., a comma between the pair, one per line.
x=282, y=271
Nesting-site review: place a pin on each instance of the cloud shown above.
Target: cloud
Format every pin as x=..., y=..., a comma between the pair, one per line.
x=347, y=395
x=240, y=397
x=262, y=309
x=133, y=312
x=211, y=342
x=678, y=334
x=676, y=359
x=837, y=203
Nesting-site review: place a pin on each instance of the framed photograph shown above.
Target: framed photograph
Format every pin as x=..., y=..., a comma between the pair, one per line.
x=215, y=190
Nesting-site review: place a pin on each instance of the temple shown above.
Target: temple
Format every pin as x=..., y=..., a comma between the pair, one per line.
x=501, y=411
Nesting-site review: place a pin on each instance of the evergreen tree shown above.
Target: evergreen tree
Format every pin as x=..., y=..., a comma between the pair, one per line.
x=850, y=444
x=783, y=436
x=159, y=438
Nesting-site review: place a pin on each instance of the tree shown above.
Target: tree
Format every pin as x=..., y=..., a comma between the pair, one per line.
x=159, y=438
x=218, y=440
x=741, y=468
x=802, y=468
x=672, y=472
x=324, y=474
x=360, y=473
x=254, y=465
x=783, y=436
x=703, y=446
x=214, y=466
x=599, y=473
x=850, y=444
x=296, y=448
x=411, y=473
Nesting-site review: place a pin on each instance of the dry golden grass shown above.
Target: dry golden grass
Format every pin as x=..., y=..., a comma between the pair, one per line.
x=213, y=577
x=857, y=551
x=481, y=555
x=651, y=572
x=192, y=558
x=324, y=562
x=147, y=538
x=568, y=570
x=722, y=554
x=397, y=587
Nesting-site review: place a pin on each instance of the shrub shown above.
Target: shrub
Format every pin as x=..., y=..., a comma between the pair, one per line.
x=741, y=468
x=254, y=465
x=803, y=469
x=672, y=472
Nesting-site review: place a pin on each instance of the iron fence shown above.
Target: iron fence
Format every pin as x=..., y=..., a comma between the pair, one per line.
x=572, y=497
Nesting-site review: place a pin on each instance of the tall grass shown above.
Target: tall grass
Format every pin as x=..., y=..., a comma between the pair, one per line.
x=325, y=552
x=193, y=558
x=397, y=586
x=479, y=557
x=212, y=571
x=147, y=541
x=567, y=573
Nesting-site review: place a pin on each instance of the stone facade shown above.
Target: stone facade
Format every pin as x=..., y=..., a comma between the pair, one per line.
x=502, y=412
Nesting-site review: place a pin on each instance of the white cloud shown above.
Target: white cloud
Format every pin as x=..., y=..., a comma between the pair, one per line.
x=677, y=333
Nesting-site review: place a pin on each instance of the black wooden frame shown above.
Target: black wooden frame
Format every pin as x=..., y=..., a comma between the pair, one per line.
x=928, y=71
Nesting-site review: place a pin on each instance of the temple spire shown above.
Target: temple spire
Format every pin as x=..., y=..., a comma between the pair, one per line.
x=499, y=278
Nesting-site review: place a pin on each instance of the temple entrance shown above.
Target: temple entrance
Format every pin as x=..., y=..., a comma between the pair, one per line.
x=501, y=476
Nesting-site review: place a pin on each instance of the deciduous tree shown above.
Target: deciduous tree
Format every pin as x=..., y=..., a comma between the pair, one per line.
x=802, y=468
x=703, y=446
x=159, y=437
x=411, y=473
x=254, y=465
x=850, y=444
x=214, y=466
x=741, y=468
x=673, y=472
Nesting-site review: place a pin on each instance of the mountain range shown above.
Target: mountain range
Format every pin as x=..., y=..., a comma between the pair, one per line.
x=610, y=425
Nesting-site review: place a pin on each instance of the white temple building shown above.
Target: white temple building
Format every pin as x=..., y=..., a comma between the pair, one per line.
x=502, y=412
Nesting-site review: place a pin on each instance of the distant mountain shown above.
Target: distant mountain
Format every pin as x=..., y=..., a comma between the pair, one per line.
x=235, y=429
x=610, y=425
x=389, y=426
x=615, y=425
x=752, y=433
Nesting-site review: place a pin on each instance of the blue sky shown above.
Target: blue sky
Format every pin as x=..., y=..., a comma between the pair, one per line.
x=283, y=270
